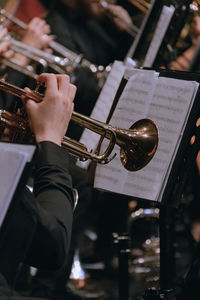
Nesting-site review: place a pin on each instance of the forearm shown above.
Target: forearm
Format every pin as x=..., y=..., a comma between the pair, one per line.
x=53, y=210
x=182, y=63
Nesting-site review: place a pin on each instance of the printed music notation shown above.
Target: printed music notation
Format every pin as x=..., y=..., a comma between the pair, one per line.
x=167, y=102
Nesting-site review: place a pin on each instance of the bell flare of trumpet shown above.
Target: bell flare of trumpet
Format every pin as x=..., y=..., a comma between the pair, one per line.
x=140, y=145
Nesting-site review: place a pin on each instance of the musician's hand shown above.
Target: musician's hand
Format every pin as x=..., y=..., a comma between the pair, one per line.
x=195, y=26
x=121, y=19
x=182, y=62
x=4, y=45
x=49, y=119
x=37, y=34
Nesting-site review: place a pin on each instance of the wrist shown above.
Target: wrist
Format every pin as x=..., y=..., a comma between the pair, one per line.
x=50, y=138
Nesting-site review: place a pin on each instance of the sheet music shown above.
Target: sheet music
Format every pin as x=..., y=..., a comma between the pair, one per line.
x=13, y=159
x=162, y=26
x=103, y=106
x=132, y=106
x=168, y=108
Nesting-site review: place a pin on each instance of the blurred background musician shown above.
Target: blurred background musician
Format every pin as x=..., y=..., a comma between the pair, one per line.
x=89, y=30
x=84, y=27
x=37, y=36
x=189, y=47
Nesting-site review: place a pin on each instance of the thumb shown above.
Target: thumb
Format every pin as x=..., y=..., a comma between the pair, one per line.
x=29, y=104
x=31, y=107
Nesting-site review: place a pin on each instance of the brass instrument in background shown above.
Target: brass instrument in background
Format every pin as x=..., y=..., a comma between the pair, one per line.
x=131, y=28
x=186, y=31
x=137, y=144
x=65, y=63
x=142, y=5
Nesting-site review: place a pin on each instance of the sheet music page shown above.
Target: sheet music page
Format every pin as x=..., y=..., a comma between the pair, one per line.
x=131, y=51
x=12, y=162
x=132, y=106
x=162, y=26
x=169, y=109
x=102, y=107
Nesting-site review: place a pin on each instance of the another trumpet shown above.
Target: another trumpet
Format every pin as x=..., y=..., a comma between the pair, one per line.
x=57, y=47
x=142, y=5
x=63, y=63
x=137, y=144
x=131, y=28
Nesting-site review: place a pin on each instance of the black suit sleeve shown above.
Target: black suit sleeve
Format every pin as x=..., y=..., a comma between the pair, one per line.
x=52, y=208
x=37, y=229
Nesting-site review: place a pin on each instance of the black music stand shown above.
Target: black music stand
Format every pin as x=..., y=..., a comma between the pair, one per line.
x=167, y=48
x=184, y=160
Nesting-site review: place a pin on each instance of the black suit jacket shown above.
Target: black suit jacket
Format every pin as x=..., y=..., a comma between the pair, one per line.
x=37, y=231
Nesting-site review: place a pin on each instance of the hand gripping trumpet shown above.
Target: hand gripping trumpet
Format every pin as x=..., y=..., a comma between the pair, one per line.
x=137, y=144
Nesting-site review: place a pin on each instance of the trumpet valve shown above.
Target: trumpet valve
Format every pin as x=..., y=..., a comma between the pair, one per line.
x=14, y=127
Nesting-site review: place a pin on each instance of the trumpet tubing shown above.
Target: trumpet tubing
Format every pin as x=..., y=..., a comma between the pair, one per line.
x=14, y=64
x=137, y=144
x=57, y=63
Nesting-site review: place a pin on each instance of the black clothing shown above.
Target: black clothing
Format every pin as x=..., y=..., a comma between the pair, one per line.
x=99, y=43
x=38, y=231
x=79, y=178
x=53, y=284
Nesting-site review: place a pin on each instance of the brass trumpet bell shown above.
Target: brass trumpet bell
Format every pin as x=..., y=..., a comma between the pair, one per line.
x=141, y=146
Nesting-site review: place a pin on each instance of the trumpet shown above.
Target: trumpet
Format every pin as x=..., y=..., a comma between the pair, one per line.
x=137, y=144
x=58, y=64
x=131, y=28
x=142, y=5
x=63, y=63
x=53, y=44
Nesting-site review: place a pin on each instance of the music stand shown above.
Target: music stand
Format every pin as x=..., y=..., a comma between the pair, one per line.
x=171, y=198
x=171, y=185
